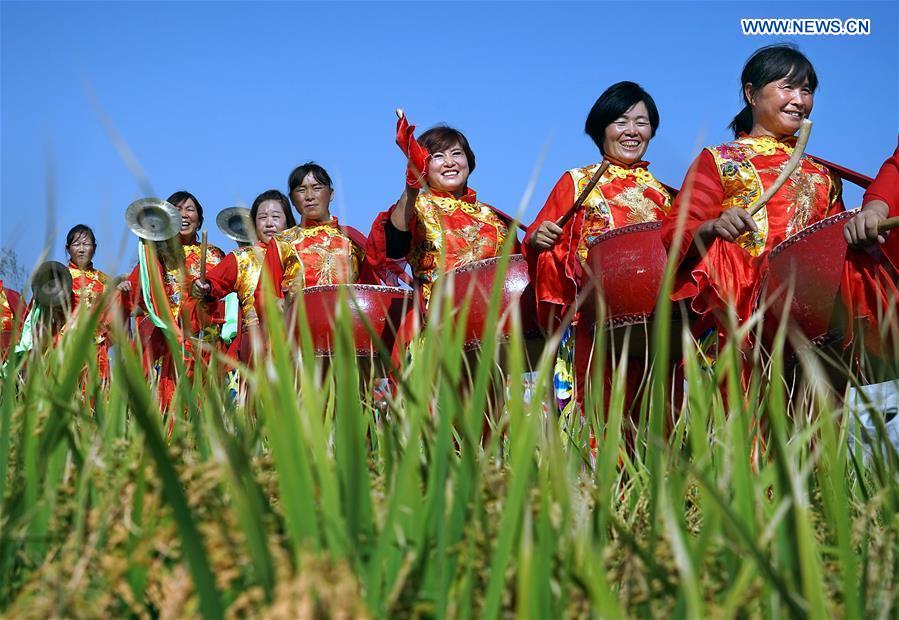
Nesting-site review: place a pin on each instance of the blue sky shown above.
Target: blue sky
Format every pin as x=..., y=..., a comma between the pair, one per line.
x=224, y=99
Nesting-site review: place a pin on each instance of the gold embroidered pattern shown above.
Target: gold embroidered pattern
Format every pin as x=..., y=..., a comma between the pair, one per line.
x=632, y=201
x=802, y=194
x=87, y=287
x=317, y=255
x=249, y=267
x=176, y=289
x=475, y=244
x=742, y=179
x=641, y=209
x=6, y=316
x=801, y=191
x=742, y=185
x=464, y=231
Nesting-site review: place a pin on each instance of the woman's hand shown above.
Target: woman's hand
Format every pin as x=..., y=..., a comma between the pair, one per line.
x=861, y=230
x=546, y=236
x=200, y=289
x=729, y=225
x=124, y=286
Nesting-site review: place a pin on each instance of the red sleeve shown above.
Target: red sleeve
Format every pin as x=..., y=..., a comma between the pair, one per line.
x=700, y=197
x=886, y=185
x=273, y=269
x=366, y=273
x=223, y=277
x=387, y=270
x=133, y=298
x=552, y=272
x=15, y=305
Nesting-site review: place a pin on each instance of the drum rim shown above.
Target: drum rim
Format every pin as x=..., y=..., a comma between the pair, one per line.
x=624, y=230
x=810, y=230
x=375, y=288
x=513, y=258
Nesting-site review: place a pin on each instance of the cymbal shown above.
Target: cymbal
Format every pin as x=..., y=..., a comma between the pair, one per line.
x=51, y=284
x=153, y=219
x=235, y=223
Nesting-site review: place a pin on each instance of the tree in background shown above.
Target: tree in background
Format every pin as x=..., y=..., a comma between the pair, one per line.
x=12, y=272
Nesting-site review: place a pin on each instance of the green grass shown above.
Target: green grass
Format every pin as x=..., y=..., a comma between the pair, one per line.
x=306, y=501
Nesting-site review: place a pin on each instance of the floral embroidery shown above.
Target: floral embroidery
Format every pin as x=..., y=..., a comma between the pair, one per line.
x=750, y=164
x=317, y=255
x=465, y=230
x=622, y=196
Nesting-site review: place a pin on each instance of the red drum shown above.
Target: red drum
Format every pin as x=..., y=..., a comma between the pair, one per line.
x=811, y=264
x=627, y=265
x=382, y=306
x=473, y=283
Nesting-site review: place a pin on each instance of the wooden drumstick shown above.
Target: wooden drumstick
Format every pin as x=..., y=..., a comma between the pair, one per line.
x=888, y=224
x=580, y=199
x=805, y=129
x=203, y=257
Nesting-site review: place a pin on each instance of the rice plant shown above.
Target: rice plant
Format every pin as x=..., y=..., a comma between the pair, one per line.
x=314, y=498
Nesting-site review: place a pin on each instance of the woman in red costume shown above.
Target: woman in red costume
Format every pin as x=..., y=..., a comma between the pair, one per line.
x=724, y=250
x=881, y=201
x=239, y=271
x=319, y=250
x=191, y=320
x=88, y=285
x=621, y=123
x=12, y=312
x=446, y=216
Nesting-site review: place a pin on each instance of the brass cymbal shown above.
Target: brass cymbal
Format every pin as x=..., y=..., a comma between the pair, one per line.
x=235, y=223
x=51, y=284
x=153, y=219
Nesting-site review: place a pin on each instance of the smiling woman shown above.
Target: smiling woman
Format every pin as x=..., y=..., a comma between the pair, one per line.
x=723, y=254
x=621, y=123
x=437, y=212
x=239, y=271
x=194, y=320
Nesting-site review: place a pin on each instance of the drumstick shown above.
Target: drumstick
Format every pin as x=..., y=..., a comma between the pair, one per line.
x=888, y=224
x=580, y=199
x=203, y=257
x=805, y=129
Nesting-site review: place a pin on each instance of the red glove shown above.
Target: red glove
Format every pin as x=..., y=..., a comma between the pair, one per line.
x=417, y=154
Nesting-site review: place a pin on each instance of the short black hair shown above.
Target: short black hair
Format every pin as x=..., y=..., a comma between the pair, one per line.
x=76, y=230
x=766, y=65
x=180, y=196
x=440, y=138
x=273, y=194
x=615, y=101
x=299, y=173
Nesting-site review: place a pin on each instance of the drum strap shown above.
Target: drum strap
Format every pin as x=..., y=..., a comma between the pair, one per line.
x=505, y=216
x=845, y=173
